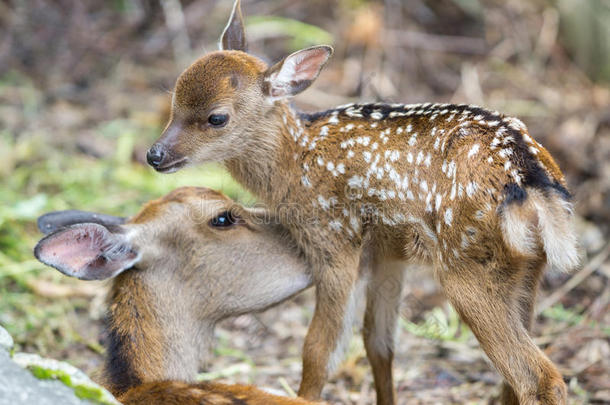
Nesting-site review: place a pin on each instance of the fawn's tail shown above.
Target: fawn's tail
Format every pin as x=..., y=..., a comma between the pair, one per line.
x=546, y=218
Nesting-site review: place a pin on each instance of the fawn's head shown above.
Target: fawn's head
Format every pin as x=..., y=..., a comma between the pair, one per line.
x=219, y=256
x=226, y=97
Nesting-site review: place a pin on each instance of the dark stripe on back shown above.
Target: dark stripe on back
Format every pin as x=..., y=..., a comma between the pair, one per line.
x=533, y=174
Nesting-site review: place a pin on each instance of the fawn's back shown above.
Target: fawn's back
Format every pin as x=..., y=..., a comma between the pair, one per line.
x=443, y=166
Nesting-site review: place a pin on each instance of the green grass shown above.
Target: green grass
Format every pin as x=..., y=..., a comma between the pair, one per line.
x=38, y=177
x=438, y=324
x=91, y=393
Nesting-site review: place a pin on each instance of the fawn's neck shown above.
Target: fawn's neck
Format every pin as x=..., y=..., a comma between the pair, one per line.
x=268, y=164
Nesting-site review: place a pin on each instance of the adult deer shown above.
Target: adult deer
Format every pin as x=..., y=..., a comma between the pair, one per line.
x=183, y=263
x=462, y=188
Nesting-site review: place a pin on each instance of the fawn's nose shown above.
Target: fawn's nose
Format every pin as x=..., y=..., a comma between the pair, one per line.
x=155, y=155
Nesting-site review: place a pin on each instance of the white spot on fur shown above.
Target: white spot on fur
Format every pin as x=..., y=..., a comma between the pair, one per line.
x=448, y=216
x=335, y=225
x=471, y=188
x=363, y=140
x=473, y=151
x=504, y=153
x=355, y=181
x=424, y=186
x=437, y=202
x=326, y=204
x=453, y=192
x=451, y=169
x=413, y=139
x=353, y=222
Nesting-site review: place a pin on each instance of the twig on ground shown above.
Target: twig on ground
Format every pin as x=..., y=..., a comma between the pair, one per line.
x=575, y=280
x=287, y=387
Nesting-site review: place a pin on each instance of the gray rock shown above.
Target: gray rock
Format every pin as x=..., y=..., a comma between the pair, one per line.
x=6, y=341
x=76, y=377
x=19, y=386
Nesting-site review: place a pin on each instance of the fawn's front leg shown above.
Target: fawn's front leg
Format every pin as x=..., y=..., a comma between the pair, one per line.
x=331, y=324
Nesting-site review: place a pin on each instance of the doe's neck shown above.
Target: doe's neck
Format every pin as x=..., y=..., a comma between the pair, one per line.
x=149, y=340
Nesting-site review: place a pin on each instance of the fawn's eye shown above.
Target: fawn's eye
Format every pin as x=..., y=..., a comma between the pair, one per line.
x=224, y=220
x=218, y=120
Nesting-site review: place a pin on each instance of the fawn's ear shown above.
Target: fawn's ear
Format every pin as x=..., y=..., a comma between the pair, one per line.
x=234, y=36
x=54, y=221
x=87, y=251
x=296, y=72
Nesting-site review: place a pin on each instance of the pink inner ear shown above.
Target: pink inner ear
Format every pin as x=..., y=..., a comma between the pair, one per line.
x=86, y=251
x=308, y=65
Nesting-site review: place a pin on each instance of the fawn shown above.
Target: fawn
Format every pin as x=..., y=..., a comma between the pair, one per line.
x=461, y=188
x=182, y=264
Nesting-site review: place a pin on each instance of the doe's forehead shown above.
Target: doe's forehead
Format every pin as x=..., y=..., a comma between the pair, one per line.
x=197, y=201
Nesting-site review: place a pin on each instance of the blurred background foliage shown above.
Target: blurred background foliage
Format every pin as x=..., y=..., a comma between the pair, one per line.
x=84, y=91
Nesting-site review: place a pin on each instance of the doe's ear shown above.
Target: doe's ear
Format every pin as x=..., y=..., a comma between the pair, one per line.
x=296, y=72
x=234, y=35
x=87, y=251
x=53, y=221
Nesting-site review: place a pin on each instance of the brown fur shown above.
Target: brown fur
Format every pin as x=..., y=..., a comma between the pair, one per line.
x=461, y=188
x=178, y=393
x=190, y=275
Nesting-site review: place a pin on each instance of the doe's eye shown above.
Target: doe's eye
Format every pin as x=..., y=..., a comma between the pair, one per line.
x=218, y=120
x=224, y=220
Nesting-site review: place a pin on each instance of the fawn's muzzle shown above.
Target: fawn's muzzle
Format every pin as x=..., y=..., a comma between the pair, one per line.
x=163, y=160
x=155, y=155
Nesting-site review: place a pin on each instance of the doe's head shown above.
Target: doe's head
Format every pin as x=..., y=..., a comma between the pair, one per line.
x=225, y=99
x=193, y=248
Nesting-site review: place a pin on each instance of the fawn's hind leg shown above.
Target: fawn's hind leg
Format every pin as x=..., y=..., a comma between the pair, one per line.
x=382, y=304
x=525, y=301
x=489, y=299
